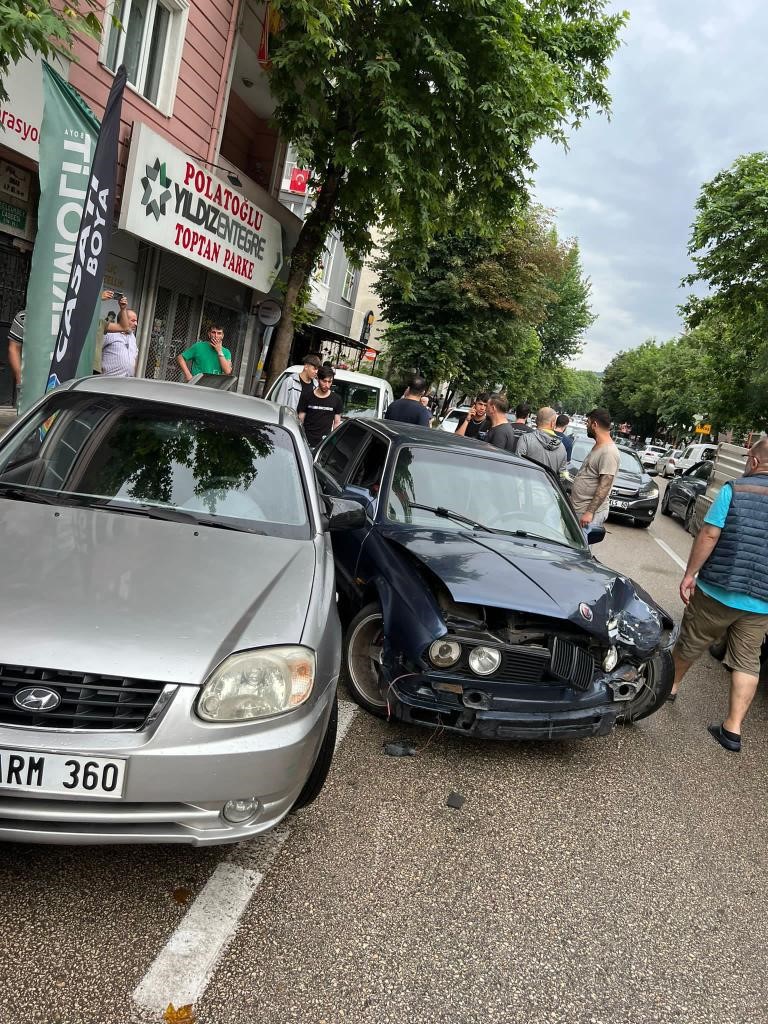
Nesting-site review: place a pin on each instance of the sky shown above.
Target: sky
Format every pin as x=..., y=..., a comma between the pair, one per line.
x=689, y=96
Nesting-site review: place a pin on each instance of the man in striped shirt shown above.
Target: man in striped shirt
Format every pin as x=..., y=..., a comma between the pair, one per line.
x=15, y=341
x=119, y=350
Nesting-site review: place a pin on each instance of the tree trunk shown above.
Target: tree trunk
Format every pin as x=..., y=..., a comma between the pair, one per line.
x=308, y=247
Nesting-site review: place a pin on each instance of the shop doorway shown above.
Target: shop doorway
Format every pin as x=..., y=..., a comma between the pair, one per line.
x=15, y=266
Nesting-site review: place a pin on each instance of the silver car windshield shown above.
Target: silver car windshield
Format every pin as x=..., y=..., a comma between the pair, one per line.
x=457, y=490
x=628, y=461
x=133, y=456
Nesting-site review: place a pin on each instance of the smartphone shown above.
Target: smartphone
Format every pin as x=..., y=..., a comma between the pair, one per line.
x=110, y=294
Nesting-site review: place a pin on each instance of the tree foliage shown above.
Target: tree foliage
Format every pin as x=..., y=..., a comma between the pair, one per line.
x=36, y=26
x=399, y=104
x=578, y=390
x=483, y=313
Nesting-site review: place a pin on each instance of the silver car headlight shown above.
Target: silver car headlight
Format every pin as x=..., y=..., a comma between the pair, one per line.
x=484, y=661
x=254, y=684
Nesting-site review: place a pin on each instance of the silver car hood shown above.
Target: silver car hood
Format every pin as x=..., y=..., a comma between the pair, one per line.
x=93, y=591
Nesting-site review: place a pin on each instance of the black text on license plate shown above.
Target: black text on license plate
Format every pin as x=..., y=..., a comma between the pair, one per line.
x=28, y=771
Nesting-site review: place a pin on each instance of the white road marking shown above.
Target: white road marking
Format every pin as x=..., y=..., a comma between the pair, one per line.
x=181, y=971
x=672, y=554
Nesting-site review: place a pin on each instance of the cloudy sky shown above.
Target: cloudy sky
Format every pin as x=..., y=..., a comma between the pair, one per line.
x=689, y=96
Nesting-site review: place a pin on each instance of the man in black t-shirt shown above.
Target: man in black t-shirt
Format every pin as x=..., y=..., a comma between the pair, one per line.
x=476, y=423
x=502, y=434
x=409, y=408
x=320, y=412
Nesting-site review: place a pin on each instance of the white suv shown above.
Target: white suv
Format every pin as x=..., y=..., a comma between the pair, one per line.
x=651, y=455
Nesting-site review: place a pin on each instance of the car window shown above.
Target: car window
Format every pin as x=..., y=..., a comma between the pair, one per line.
x=357, y=400
x=127, y=454
x=687, y=453
x=494, y=493
x=370, y=469
x=702, y=472
x=340, y=449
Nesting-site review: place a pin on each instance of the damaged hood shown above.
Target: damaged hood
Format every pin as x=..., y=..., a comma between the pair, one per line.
x=536, y=578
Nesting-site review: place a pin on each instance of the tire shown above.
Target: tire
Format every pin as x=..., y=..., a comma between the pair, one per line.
x=322, y=765
x=362, y=647
x=660, y=674
x=688, y=520
x=665, y=509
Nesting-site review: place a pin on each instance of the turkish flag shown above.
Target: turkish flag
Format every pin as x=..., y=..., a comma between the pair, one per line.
x=299, y=179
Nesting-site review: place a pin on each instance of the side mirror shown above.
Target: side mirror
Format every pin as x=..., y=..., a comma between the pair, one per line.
x=359, y=494
x=595, y=534
x=344, y=514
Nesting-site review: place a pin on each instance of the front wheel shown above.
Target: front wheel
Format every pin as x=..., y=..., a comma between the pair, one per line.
x=658, y=675
x=665, y=509
x=688, y=521
x=363, y=645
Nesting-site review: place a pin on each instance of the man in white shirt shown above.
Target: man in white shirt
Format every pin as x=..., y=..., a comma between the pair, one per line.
x=119, y=350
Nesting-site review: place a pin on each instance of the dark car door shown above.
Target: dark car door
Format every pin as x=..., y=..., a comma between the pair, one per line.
x=350, y=463
x=689, y=485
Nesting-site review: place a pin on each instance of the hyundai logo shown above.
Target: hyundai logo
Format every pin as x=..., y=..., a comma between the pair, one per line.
x=36, y=698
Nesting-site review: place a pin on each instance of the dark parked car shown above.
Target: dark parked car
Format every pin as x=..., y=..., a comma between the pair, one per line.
x=682, y=491
x=470, y=599
x=634, y=495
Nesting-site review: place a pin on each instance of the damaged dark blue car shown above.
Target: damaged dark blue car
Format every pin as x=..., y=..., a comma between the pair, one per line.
x=471, y=600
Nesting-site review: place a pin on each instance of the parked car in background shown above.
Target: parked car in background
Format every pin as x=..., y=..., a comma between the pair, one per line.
x=169, y=640
x=361, y=394
x=634, y=495
x=682, y=491
x=666, y=464
x=454, y=418
x=728, y=464
x=470, y=599
x=650, y=455
x=694, y=454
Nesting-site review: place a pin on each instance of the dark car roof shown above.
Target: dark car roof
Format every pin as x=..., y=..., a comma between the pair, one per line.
x=401, y=434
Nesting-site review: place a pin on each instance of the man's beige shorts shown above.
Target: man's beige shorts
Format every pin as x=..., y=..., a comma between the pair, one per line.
x=706, y=620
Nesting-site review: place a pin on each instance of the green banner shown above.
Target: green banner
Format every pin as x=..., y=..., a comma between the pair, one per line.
x=67, y=142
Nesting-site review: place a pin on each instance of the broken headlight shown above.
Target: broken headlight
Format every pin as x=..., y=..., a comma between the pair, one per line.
x=444, y=653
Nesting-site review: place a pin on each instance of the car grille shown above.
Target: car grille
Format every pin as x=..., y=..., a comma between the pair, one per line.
x=88, y=702
x=527, y=664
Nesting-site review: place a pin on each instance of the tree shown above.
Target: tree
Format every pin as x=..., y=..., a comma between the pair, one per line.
x=729, y=249
x=399, y=105
x=578, y=390
x=36, y=26
x=478, y=310
x=631, y=387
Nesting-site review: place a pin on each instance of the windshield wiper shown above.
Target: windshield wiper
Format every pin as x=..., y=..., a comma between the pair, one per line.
x=28, y=494
x=172, y=515
x=446, y=513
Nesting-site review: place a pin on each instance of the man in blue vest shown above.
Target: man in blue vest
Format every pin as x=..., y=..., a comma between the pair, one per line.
x=731, y=592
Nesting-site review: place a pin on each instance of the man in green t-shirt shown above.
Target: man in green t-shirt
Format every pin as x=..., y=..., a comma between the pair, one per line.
x=206, y=356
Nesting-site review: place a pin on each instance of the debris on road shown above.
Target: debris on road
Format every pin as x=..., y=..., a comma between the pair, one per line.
x=399, y=749
x=455, y=800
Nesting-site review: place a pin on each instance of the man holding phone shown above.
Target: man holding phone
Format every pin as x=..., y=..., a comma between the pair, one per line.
x=206, y=356
x=476, y=423
x=119, y=350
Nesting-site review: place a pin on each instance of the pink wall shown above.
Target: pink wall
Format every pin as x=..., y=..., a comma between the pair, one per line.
x=192, y=125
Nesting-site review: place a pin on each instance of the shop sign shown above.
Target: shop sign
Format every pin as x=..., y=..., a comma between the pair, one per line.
x=22, y=113
x=12, y=216
x=14, y=181
x=173, y=202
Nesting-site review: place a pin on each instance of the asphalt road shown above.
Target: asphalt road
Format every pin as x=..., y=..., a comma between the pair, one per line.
x=608, y=880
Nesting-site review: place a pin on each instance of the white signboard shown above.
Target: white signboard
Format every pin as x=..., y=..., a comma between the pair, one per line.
x=22, y=113
x=172, y=201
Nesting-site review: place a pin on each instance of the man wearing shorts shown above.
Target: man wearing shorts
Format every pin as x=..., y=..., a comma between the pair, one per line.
x=731, y=592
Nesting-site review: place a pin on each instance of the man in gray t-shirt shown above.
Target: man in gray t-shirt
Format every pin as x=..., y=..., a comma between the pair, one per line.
x=590, y=493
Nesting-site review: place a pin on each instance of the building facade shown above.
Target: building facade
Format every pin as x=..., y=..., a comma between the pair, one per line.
x=201, y=235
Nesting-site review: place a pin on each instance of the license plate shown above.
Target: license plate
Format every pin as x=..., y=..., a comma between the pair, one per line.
x=27, y=771
x=619, y=504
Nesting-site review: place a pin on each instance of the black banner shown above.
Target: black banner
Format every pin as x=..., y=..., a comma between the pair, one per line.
x=93, y=243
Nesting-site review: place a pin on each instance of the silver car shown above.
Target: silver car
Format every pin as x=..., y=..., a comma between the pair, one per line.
x=170, y=641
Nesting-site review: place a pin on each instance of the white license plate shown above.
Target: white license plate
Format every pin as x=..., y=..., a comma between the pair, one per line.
x=28, y=771
x=619, y=504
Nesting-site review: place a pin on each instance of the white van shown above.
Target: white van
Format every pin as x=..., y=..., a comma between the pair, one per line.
x=694, y=453
x=361, y=394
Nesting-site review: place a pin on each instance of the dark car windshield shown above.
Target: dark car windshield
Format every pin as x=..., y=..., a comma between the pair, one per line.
x=628, y=461
x=136, y=456
x=497, y=494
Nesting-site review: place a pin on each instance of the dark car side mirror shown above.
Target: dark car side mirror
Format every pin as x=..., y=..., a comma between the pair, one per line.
x=344, y=514
x=595, y=534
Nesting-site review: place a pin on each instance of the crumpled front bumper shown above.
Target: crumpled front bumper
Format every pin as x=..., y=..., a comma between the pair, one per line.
x=477, y=708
